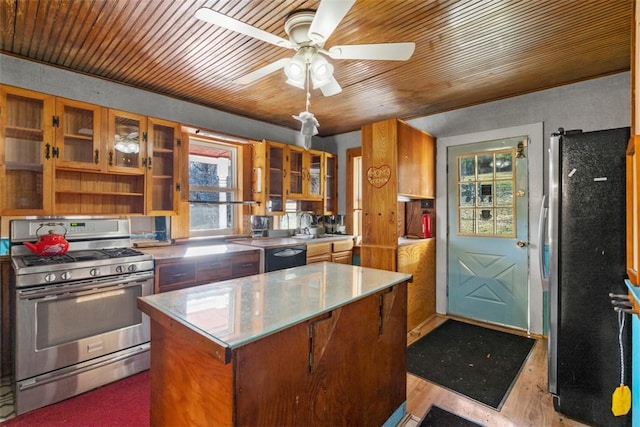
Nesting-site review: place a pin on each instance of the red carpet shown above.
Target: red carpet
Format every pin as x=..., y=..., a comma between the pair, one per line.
x=122, y=403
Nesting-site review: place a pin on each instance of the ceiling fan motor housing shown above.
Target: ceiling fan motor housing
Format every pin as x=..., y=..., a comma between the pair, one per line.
x=297, y=27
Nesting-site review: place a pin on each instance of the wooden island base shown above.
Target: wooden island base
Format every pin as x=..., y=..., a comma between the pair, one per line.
x=344, y=366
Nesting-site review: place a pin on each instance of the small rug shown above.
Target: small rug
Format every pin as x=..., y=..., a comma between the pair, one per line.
x=477, y=362
x=124, y=403
x=438, y=417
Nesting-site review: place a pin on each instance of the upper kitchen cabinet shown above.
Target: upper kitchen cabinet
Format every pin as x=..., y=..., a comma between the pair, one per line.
x=162, y=163
x=127, y=142
x=270, y=163
x=78, y=135
x=416, y=162
x=103, y=174
x=305, y=174
x=26, y=144
x=330, y=168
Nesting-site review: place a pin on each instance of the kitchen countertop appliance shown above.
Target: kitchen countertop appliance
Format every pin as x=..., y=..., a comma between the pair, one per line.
x=75, y=319
x=586, y=242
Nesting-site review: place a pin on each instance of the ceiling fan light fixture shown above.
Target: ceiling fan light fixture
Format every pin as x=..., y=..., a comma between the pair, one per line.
x=321, y=71
x=296, y=69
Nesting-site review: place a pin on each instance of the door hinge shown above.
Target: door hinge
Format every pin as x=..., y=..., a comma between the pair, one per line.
x=55, y=152
x=55, y=121
x=178, y=187
x=179, y=142
x=144, y=136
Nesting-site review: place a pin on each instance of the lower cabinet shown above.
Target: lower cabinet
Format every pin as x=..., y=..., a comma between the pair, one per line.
x=336, y=251
x=173, y=274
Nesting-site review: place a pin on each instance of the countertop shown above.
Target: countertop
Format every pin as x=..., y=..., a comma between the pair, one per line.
x=238, y=311
x=184, y=251
x=403, y=241
x=268, y=242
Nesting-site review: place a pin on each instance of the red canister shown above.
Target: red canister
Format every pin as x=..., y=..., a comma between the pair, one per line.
x=426, y=226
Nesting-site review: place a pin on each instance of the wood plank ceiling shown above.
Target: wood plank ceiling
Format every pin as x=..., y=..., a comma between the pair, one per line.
x=467, y=51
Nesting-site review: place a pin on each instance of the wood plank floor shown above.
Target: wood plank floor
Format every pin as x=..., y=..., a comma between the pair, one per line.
x=528, y=403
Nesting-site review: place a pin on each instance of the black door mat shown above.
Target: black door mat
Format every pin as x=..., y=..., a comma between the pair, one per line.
x=477, y=362
x=438, y=417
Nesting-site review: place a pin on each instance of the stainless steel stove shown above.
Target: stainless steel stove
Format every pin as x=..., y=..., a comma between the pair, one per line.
x=97, y=248
x=76, y=321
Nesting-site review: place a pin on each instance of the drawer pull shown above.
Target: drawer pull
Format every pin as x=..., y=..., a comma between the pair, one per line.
x=179, y=274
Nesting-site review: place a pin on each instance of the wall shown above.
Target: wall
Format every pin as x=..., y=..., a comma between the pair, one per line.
x=601, y=103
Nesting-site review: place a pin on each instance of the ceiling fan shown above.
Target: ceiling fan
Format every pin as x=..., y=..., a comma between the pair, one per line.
x=308, y=30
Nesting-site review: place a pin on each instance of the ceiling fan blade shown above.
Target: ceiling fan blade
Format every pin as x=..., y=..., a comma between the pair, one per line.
x=331, y=88
x=217, y=18
x=383, y=51
x=328, y=16
x=262, y=72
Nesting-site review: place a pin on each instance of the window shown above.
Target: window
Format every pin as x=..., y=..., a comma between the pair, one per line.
x=486, y=205
x=213, y=187
x=354, y=191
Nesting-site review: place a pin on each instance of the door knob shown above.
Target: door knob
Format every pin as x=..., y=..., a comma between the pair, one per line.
x=521, y=243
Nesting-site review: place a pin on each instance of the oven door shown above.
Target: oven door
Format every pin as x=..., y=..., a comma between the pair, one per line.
x=62, y=325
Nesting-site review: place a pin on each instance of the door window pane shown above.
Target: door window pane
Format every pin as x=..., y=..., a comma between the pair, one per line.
x=486, y=205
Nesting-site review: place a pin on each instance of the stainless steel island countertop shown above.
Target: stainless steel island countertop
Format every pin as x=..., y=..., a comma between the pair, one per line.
x=236, y=312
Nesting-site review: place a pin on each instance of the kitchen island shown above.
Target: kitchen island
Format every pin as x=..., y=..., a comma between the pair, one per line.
x=322, y=344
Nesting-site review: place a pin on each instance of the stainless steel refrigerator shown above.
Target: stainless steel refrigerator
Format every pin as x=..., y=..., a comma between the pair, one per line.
x=585, y=237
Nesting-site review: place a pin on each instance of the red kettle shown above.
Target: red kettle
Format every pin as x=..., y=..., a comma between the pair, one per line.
x=49, y=244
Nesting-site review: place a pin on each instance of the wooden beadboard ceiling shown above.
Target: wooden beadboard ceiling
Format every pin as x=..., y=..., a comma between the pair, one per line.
x=467, y=51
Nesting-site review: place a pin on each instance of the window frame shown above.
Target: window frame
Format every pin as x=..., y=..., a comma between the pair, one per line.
x=235, y=187
x=494, y=207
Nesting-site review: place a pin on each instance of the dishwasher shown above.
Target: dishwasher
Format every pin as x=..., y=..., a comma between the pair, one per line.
x=277, y=252
x=284, y=257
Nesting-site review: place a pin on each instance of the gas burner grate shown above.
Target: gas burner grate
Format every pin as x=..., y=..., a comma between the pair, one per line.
x=121, y=252
x=32, y=260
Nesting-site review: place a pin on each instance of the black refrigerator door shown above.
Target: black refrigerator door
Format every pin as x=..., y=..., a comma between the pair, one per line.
x=591, y=265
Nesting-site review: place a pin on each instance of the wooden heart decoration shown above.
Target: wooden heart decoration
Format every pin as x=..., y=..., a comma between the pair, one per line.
x=379, y=176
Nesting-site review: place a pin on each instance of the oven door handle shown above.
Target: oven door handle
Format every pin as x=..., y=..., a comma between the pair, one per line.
x=85, y=288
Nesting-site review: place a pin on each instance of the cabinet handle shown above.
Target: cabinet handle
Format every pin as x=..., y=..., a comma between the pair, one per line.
x=149, y=163
x=110, y=158
x=178, y=187
x=284, y=173
x=55, y=152
x=97, y=157
x=179, y=275
x=385, y=303
x=47, y=151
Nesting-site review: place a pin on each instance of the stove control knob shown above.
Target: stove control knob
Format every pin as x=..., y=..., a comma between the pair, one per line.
x=133, y=267
x=94, y=272
x=49, y=277
x=65, y=276
x=120, y=269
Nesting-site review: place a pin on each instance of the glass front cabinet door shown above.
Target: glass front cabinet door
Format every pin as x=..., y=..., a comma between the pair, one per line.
x=330, y=184
x=78, y=135
x=276, y=188
x=162, y=163
x=314, y=175
x=26, y=145
x=127, y=139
